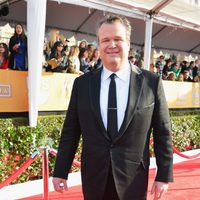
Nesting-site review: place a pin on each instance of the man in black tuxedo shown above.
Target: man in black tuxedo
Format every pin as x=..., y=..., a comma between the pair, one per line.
x=115, y=109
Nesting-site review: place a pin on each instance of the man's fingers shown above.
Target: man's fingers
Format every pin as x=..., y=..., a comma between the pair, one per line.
x=60, y=185
x=158, y=189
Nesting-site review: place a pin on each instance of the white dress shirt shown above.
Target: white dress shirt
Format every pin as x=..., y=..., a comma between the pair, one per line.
x=122, y=80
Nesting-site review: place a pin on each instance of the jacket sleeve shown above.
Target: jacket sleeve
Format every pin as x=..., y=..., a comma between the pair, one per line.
x=69, y=138
x=162, y=136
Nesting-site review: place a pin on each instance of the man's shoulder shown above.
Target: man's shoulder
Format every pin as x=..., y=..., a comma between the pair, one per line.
x=90, y=74
x=149, y=74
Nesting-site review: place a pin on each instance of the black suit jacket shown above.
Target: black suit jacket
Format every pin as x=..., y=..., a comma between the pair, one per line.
x=128, y=153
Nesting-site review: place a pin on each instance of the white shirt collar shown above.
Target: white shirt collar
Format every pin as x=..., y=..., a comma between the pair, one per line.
x=122, y=74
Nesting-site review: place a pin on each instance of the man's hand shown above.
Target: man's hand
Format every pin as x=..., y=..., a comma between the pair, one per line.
x=158, y=189
x=60, y=184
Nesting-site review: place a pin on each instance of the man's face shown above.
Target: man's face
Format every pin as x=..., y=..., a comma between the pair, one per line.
x=113, y=45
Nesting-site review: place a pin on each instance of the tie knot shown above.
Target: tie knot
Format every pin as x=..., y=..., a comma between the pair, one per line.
x=112, y=76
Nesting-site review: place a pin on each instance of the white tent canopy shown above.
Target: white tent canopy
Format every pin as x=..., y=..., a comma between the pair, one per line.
x=173, y=29
x=78, y=17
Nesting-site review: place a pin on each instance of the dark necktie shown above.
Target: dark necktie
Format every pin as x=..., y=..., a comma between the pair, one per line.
x=112, y=108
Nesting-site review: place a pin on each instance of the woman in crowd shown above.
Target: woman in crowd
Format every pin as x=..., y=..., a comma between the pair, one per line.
x=73, y=60
x=57, y=57
x=176, y=69
x=4, y=56
x=95, y=61
x=18, y=49
x=83, y=57
x=83, y=44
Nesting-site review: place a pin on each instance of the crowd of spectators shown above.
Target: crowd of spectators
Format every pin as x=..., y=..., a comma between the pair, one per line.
x=58, y=56
x=174, y=71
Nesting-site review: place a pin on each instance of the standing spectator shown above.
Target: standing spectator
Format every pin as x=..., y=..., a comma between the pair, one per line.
x=18, y=49
x=160, y=64
x=167, y=68
x=83, y=57
x=4, y=56
x=184, y=66
x=90, y=49
x=73, y=60
x=83, y=44
x=176, y=69
x=45, y=55
x=196, y=68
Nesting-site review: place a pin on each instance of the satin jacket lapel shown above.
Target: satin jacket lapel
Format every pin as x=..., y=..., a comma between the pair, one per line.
x=135, y=89
x=95, y=84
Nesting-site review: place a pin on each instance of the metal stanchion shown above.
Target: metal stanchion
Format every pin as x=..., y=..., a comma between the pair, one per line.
x=45, y=169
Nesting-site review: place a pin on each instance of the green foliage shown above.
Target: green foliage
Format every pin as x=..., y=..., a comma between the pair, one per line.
x=186, y=132
x=16, y=138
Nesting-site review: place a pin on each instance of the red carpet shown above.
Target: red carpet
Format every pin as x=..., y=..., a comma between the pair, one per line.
x=186, y=185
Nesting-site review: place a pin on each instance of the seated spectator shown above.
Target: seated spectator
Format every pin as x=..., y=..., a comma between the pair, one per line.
x=45, y=55
x=180, y=77
x=196, y=79
x=18, y=49
x=186, y=76
x=171, y=76
x=58, y=59
x=4, y=56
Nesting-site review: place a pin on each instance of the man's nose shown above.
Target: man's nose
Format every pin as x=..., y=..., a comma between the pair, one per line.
x=112, y=43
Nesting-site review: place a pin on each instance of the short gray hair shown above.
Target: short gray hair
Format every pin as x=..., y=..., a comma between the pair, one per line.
x=112, y=18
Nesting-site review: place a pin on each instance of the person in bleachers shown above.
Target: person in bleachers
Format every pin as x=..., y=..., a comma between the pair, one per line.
x=160, y=64
x=54, y=36
x=58, y=59
x=83, y=44
x=45, y=58
x=66, y=46
x=171, y=76
x=90, y=49
x=176, y=69
x=180, y=77
x=83, y=57
x=186, y=76
x=167, y=68
x=196, y=68
x=184, y=66
x=4, y=53
x=18, y=49
x=195, y=79
x=133, y=60
x=73, y=60
x=95, y=61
